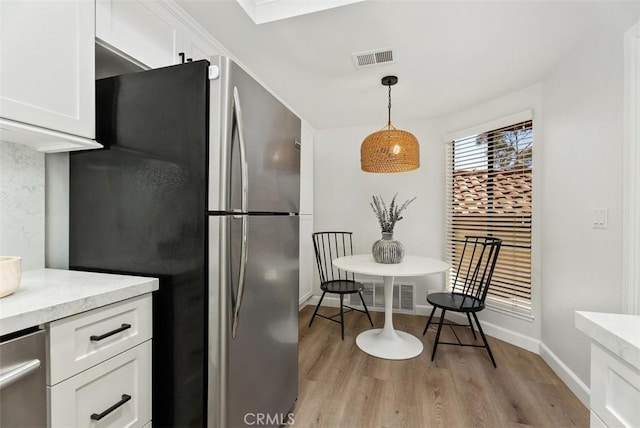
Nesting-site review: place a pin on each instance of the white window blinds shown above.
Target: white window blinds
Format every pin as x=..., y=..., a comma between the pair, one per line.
x=489, y=192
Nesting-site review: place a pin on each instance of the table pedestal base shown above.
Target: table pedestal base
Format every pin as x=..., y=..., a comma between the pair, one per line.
x=390, y=345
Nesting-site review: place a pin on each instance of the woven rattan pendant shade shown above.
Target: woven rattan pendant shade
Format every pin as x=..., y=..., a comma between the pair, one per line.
x=390, y=149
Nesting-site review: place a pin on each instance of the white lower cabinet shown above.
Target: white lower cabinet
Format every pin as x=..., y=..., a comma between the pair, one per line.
x=99, y=371
x=595, y=421
x=115, y=393
x=615, y=391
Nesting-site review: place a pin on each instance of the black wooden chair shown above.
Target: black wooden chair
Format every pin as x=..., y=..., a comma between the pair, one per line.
x=329, y=246
x=472, y=279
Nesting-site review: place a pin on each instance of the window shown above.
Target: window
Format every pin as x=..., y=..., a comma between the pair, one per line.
x=489, y=192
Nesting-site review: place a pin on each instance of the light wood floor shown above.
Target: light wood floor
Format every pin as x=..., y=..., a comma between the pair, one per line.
x=341, y=386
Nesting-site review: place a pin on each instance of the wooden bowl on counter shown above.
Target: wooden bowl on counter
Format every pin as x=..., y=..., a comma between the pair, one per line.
x=10, y=274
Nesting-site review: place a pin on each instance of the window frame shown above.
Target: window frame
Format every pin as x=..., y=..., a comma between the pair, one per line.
x=495, y=303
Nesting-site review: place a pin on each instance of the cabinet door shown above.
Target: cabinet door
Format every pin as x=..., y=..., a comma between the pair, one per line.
x=615, y=390
x=142, y=30
x=196, y=47
x=47, y=57
x=115, y=393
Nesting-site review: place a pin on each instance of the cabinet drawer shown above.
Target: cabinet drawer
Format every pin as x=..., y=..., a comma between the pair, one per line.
x=79, y=342
x=117, y=391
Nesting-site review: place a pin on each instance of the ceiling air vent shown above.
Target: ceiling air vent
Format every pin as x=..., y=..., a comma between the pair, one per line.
x=369, y=58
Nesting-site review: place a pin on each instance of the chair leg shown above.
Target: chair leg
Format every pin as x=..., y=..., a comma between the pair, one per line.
x=342, y=315
x=365, y=308
x=484, y=339
x=435, y=344
x=471, y=326
x=317, y=307
x=429, y=322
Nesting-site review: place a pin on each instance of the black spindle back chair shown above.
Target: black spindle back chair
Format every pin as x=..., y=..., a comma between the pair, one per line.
x=476, y=264
x=329, y=246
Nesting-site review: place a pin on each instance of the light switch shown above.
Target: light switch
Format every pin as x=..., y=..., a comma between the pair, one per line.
x=599, y=218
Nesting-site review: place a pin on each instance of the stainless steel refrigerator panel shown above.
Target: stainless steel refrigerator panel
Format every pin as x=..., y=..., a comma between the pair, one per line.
x=268, y=134
x=263, y=356
x=217, y=321
x=219, y=133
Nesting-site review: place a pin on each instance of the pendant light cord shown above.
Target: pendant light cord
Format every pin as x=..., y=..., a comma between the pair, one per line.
x=389, y=121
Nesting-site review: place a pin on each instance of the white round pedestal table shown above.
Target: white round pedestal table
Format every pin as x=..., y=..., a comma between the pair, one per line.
x=387, y=342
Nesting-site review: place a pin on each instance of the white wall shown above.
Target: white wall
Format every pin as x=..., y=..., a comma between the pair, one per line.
x=582, y=170
x=57, y=209
x=342, y=193
x=22, y=209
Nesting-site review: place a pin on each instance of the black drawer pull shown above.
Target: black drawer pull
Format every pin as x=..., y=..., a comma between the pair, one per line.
x=97, y=417
x=123, y=327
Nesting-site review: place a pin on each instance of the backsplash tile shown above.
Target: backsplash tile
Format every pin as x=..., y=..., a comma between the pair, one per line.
x=22, y=204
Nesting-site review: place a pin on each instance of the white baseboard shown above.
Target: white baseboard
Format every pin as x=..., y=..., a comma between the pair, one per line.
x=565, y=374
x=304, y=300
x=516, y=339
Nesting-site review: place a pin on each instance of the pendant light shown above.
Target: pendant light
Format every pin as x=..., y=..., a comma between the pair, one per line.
x=390, y=149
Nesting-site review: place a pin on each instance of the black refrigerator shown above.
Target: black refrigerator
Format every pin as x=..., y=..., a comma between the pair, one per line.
x=198, y=185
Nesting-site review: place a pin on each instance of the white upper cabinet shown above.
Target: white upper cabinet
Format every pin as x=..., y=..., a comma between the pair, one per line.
x=154, y=34
x=143, y=30
x=47, y=74
x=195, y=47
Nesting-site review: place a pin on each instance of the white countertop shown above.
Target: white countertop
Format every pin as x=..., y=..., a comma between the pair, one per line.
x=46, y=295
x=619, y=333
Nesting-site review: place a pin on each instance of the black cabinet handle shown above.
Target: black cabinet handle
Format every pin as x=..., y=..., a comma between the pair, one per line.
x=123, y=327
x=181, y=55
x=98, y=416
x=189, y=59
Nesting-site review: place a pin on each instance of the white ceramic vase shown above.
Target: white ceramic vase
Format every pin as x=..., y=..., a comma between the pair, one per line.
x=10, y=274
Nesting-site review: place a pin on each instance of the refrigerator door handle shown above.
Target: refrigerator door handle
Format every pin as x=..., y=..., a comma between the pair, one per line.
x=244, y=168
x=243, y=208
x=241, y=278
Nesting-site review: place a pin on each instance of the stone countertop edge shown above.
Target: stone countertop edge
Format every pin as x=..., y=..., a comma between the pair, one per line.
x=619, y=333
x=47, y=295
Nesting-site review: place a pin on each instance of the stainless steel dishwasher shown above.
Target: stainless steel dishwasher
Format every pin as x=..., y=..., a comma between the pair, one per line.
x=23, y=395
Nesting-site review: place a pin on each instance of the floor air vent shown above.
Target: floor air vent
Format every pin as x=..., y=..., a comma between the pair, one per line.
x=369, y=58
x=373, y=294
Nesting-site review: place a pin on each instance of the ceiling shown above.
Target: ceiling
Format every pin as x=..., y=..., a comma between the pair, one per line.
x=262, y=11
x=449, y=55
